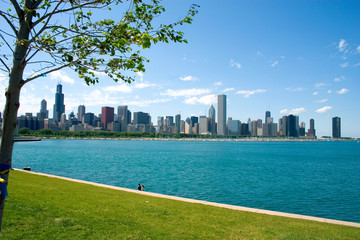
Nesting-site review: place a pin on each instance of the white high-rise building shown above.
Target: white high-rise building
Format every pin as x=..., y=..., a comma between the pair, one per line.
x=221, y=115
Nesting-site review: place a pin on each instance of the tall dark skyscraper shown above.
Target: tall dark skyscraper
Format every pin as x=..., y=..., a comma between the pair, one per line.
x=291, y=126
x=59, y=107
x=267, y=115
x=177, y=122
x=336, y=127
x=141, y=118
x=221, y=124
x=311, y=130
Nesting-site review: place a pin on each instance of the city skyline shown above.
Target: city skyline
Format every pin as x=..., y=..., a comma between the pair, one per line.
x=301, y=58
x=288, y=125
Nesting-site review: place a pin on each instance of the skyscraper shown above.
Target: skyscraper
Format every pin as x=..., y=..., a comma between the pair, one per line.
x=212, y=125
x=141, y=118
x=267, y=115
x=124, y=117
x=44, y=113
x=336, y=127
x=107, y=115
x=177, y=122
x=291, y=126
x=59, y=107
x=221, y=125
x=311, y=130
x=81, y=112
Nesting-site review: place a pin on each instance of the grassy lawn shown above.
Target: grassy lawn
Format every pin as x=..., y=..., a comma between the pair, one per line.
x=39, y=207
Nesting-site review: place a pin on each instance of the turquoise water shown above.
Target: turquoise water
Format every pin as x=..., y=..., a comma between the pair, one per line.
x=312, y=178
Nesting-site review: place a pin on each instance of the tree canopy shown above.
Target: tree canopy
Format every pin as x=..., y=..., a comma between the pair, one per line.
x=77, y=34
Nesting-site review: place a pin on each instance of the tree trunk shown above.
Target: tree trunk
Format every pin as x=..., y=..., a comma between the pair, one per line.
x=8, y=129
x=12, y=94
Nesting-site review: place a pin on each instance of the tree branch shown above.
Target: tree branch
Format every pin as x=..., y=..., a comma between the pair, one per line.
x=44, y=73
x=64, y=10
x=19, y=12
x=9, y=22
x=6, y=43
x=5, y=65
x=44, y=27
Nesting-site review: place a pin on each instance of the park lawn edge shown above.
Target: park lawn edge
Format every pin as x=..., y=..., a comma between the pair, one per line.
x=39, y=207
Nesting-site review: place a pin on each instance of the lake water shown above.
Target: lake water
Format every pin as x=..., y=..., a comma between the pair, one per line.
x=311, y=178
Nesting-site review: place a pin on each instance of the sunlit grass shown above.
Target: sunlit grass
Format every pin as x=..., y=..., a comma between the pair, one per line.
x=46, y=208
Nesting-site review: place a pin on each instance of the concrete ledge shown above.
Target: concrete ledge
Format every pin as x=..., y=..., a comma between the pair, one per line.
x=233, y=207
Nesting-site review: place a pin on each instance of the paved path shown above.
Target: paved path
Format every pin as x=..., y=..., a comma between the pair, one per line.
x=233, y=207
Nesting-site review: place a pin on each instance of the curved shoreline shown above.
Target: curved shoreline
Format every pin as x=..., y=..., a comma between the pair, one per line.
x=228, y=206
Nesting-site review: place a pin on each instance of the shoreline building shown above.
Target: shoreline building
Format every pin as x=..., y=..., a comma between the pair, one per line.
x=81, y=113
x=44, y=113
x=107, y=115
x=212, y=124
x=267, y=115
x=221, y=124
x=336, y=127
x=311, y=131
x=178, y=123
x=124, y=117
x=59, y=107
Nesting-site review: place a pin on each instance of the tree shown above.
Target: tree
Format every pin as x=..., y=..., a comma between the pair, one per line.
x=53, y=34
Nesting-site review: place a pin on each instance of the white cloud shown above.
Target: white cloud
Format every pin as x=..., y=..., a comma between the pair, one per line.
x=282, y=57
x=342, y=91
x=217, y=83
x=358, y=48
x=339, y=79
x=188, y=78
x=185, y=92
x=123, y=88
x=322, y=100
x=274, y=63
x=62, y=76
x=259, y=53
x=295, y=89
x=228, y=90
x=144, y=103
x=144, y=85
x=356, y=65
x=97, y=97
x=284, y=111
x=315, y=93
x=205, y=100
x=297, y=111
x=248, y=93
x=323, y=109
x=294, y=111
x=344, y=65
x=235, y=64
x=320, y=85
x=140, y=75
x=329, y=91
x=342, y=45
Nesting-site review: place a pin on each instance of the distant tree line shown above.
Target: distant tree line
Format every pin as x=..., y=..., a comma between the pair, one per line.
x=106, y=134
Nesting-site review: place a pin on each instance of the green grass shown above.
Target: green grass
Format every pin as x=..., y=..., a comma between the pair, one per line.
x=39, y=207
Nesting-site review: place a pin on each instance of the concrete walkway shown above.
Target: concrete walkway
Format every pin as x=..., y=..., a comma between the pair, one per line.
x=233, y=207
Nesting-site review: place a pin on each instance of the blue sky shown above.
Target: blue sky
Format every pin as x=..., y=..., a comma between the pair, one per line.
x=300, y=57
